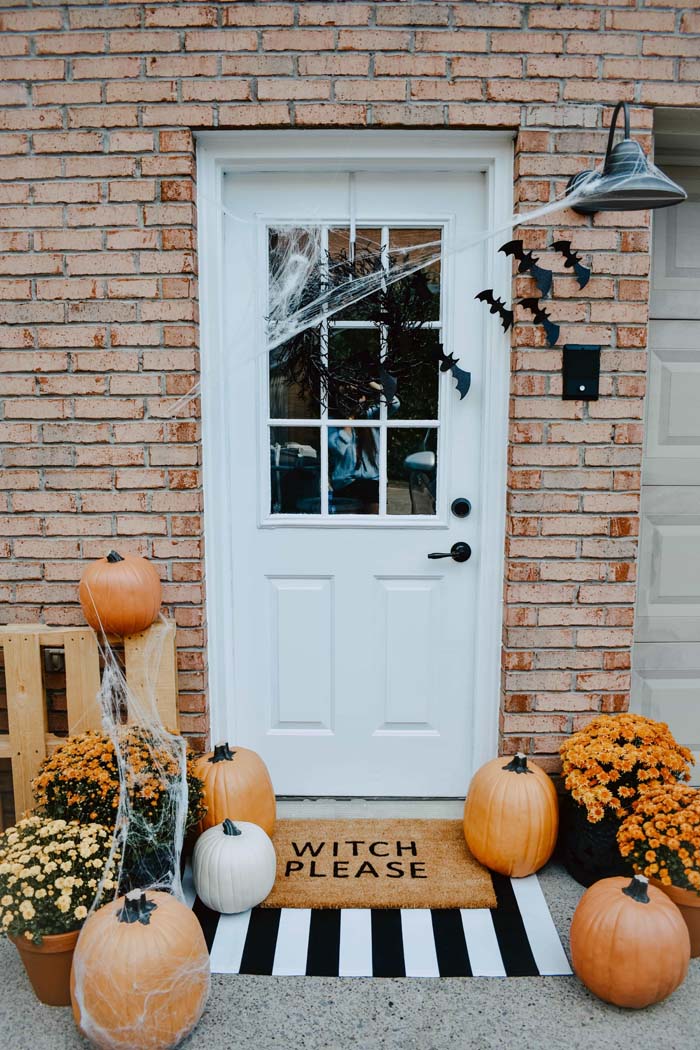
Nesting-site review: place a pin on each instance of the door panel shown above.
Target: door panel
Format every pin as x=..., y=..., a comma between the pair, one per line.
x=666, y=655
x=675, y=271
x=354, y=653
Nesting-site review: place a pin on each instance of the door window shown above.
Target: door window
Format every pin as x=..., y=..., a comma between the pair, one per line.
x=346, y=437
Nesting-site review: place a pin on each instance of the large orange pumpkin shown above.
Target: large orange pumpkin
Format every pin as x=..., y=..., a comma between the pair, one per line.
x=120, y=595
x=140, y=973
x=629, y=943
x=511, y=816
x=236, y=785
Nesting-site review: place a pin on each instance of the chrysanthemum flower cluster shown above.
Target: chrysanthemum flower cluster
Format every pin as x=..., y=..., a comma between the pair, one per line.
x=616, y=758
x=80, y=781
x=661, y=837
x=50, y=871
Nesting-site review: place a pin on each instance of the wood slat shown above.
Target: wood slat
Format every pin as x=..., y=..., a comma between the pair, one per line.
x=82, y=681
x=143, y=669
x=150, y=657
x=26, y=712
x=52, y=742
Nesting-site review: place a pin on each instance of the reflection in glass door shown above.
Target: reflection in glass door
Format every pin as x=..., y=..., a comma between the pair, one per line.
x=338, y=452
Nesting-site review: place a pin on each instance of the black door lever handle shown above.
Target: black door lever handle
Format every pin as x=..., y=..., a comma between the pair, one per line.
x=458, y=552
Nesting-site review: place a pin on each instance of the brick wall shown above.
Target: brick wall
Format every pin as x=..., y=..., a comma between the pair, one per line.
x=99, y=293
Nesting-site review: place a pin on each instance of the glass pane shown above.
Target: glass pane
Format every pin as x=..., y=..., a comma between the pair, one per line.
x=295, y=263
x=353, y=361
x=413, y=361
x=405, y=247
x=295, y=470
x=294, y=377
x=353, y=470
x=412, y=471
x=367, y=260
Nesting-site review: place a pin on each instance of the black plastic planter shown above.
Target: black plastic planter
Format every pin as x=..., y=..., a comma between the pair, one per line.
x=589, y=852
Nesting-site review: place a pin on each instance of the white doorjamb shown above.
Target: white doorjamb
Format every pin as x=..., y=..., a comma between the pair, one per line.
x=251, y=151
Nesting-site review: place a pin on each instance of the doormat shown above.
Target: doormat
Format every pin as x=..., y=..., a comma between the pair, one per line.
x=517, y=938
x=376, y=864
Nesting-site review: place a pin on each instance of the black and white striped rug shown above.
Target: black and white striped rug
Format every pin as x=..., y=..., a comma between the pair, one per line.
x=516, y=939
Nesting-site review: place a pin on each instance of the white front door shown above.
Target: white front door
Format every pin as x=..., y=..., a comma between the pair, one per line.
x=354, y=661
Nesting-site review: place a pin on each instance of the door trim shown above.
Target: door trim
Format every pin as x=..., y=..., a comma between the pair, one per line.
x=457, y=151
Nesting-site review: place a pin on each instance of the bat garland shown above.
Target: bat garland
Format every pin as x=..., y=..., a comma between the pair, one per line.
x=497, y=306
x=448, y=363
x=572, y=260
x=541, y=316
x=528, y=263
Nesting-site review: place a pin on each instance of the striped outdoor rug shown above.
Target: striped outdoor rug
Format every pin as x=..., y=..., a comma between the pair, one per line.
x=516, y=939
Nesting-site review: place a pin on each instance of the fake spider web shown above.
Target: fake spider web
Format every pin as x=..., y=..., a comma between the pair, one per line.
x=293, y=309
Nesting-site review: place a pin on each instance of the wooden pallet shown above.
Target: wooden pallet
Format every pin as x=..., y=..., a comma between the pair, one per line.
x=28, y=741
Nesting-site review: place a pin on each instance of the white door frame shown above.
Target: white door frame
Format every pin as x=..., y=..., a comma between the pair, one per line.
x=456, y=151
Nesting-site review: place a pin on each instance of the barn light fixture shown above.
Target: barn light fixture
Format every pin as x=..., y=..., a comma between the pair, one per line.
x=628, y=181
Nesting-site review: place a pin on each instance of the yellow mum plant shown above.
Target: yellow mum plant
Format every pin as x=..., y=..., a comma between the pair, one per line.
x=50, y=872
x=616, y=758
x=661, y=837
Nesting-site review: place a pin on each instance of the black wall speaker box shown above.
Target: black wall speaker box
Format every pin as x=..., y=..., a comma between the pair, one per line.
x=581, y=372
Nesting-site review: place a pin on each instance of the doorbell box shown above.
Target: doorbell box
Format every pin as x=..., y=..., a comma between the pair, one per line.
x=581, y=372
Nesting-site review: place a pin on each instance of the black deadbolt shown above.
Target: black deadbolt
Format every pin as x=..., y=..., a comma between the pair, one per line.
x=461, y=507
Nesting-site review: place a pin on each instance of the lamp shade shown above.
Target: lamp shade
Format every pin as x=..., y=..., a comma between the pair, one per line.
x=628, y=182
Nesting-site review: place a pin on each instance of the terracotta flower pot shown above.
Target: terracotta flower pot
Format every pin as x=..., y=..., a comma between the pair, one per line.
x=48, y=965
x=688, y=904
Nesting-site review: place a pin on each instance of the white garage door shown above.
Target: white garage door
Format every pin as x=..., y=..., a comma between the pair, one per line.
x=666, y=660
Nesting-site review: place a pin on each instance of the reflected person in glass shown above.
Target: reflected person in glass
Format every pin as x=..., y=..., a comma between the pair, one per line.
x=353, y=462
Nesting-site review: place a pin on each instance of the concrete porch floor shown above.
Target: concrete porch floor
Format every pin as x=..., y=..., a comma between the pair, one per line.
x=314, y=1013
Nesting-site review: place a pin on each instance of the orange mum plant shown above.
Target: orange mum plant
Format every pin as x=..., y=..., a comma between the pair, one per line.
x=616, y=758
x=661, y=837
x=80, y=781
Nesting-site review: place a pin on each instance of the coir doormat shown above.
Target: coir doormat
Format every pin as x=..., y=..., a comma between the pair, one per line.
x=376, y=864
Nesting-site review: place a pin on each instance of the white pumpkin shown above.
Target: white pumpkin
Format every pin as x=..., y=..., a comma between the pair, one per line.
x=234, y=866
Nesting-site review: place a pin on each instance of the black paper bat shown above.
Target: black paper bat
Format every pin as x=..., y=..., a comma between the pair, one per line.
x=448, y=363
x=573, y=261
x=527, y=263
x=542, y=317
x=497, y=306
x=389, y=385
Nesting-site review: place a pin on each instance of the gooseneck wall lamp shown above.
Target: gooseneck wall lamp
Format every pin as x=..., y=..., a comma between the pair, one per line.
x=628, y=182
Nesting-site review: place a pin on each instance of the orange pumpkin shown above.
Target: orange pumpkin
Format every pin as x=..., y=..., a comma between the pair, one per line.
x=629, y=943
x=120, y=595
x=236, y=785
x=140, y=973
x=511, y=816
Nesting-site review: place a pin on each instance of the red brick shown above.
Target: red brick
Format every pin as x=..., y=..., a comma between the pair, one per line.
x=219, y=40
x=140, y=40
x=105, y=67
x=180, y=15
x=450, y=41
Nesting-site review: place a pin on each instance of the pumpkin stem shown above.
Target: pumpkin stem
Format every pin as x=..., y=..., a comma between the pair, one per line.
x=230, y=828
x=113, y=557
x=637, y=889
x=518, y=764
x=222, y=753
x=136, y=908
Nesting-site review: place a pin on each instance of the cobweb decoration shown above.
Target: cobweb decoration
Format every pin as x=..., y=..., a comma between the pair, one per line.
x=400, y=312
x=151, y=761
x=307, y=288
x=293, y=310
x=152, y=998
